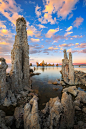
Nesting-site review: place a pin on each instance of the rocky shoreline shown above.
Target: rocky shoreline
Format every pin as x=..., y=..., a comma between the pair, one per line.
x=67, y=113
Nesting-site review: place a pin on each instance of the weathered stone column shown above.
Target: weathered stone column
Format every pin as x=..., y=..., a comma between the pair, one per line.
x=65, y=67
x=71, y=70
x=3, y=87
x=20, y=57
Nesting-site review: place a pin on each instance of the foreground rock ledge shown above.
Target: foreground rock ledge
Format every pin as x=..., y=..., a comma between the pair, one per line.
x=67, y=113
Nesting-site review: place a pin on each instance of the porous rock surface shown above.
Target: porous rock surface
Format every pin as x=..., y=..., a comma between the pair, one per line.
x=69, y=75
x=20, y=58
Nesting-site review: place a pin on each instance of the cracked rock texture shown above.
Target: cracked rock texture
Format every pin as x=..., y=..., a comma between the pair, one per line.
x=20, y=58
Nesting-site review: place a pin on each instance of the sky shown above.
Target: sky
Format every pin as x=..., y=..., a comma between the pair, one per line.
x=52, y=26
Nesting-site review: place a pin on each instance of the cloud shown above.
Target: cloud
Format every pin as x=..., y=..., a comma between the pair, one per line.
x=67, y=8
x=79, y=51
x=5, y=48
x=31, y=31
x=66, y=45
x=48, y=17
x=34, y=51
x=82, y=45
x=4, y=31
x=77, y=36
x=2, y=25
x=77, y=44
x=51, y=32
x=4, y=43
x=62, y=7
x=83, y=51
x=69, y=28
x=72, y=51
x=6, y=34
x=30, y=2
x=34, y=40
x=68, y=33
x=70, y=16
x=78, y=22
x=58, y=37
x=42, y=20
x=37, y=11
x=10, y=10
x=41, y=26
x=35, y=48
x=52, y=48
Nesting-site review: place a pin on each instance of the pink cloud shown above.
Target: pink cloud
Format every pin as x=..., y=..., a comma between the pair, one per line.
x=78, y=22
x=82, y=45
x=10, y=10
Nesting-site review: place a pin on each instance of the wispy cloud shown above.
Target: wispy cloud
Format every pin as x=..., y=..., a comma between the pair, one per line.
x=70, y=16
x=2, y=25
x=31, y=31
x=30, y=2
x=66, y=45
x=34, y=40
x=78, y=22
x=41, y=26
x=10, y=10
x=69, y=28
x=68, y=33
x=82, y=45
x=35, y=48
x=52, y=48
x=51, y=32
x=38, y=11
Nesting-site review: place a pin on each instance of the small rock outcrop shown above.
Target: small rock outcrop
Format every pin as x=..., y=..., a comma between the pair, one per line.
x=20, y=58
x=3, y=85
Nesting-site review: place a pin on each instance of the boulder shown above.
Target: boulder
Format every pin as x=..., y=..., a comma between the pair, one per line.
x=72, y=89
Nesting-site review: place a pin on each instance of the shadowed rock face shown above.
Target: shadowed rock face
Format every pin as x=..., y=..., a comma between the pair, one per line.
x=3, y=87
x=20, y=59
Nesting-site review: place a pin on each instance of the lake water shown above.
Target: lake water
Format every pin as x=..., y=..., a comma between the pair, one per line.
x=46, y=90
x=41, y=85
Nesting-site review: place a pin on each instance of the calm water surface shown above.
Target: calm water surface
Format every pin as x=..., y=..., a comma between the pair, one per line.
x=44, y=89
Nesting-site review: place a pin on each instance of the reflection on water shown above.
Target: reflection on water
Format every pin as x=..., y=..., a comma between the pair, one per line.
x=81, y=68
x=45, y=90
x=41, y=85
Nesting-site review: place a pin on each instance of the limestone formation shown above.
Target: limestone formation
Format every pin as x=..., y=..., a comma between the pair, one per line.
x=20, y=58
x=3, y=85
x=67, y=69
x=31, y=116
x=69, y=75
x=67, y=119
